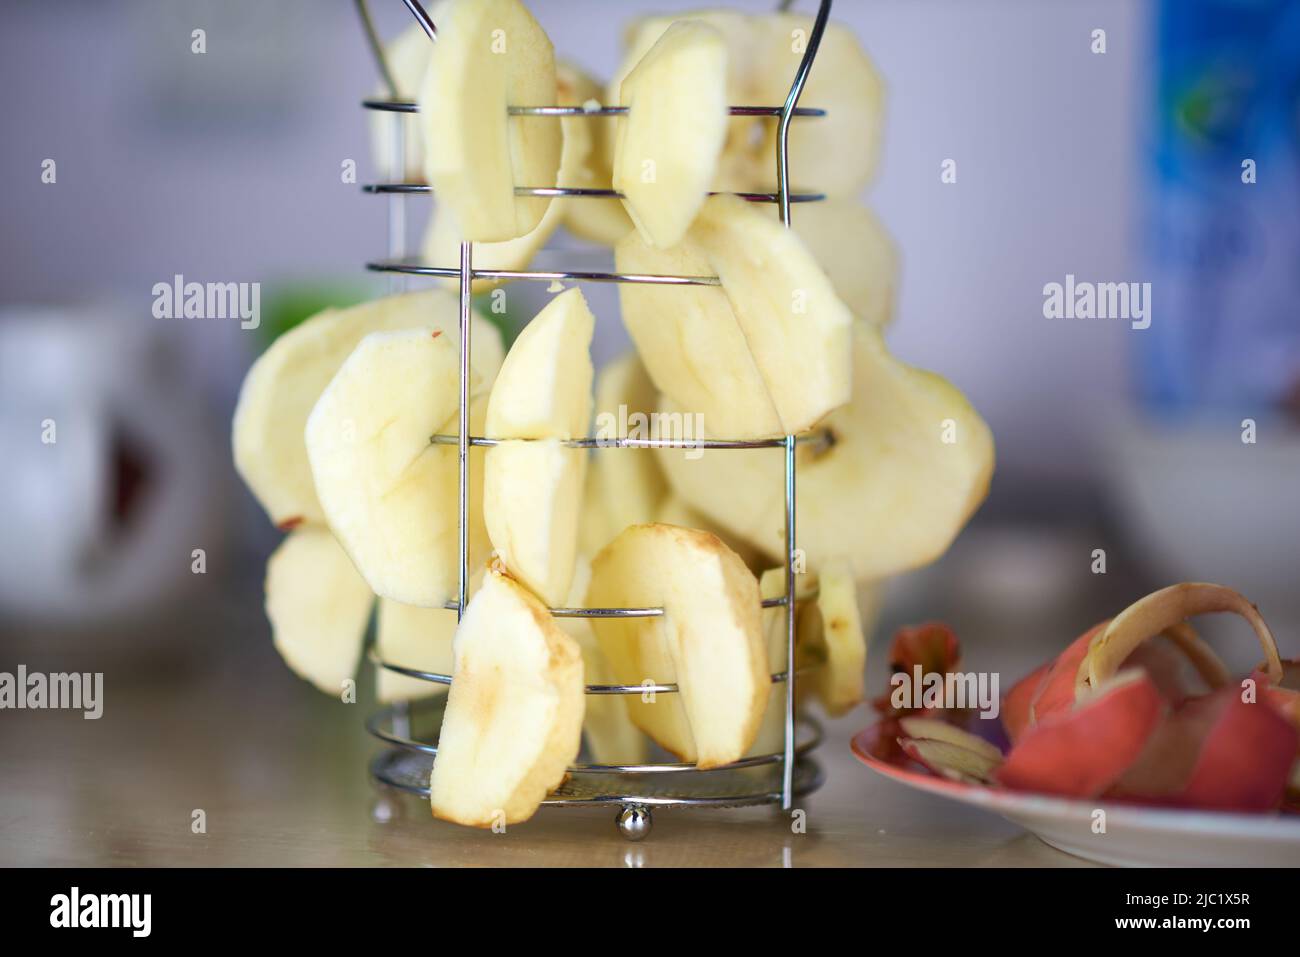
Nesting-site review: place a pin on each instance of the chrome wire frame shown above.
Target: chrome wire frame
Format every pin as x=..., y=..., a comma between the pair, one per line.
x=397, y=733
x=375, y=725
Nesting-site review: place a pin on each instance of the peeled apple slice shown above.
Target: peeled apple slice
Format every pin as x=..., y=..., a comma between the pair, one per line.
x=443, y=239
x=532, y=498
x=513, y=721
x=835, y=154
x=543, y=390
x=388, y=493
x=607, y=728
x=628, y=481
x=858, y=255
x=834, y=637
x=490, y=55
x=794, y=324
x=771, y=584
x=666, y=147
x=416, y=638
x=284, y=383
x=533, y=489
x=709, y=640
x=318, y=607
x=690, y=342
x=948, y=750
x=907, y=464
x=598, y=220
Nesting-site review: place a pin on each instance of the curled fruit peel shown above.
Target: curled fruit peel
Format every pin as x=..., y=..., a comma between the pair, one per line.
x=1161, y=611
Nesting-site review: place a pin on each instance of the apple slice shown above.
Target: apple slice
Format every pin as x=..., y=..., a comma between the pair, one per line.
x=852, y=246
x=934, y=729
x=443, y=238
x=318, y=607
x=513, y=721
x=602, y=221
x=666, y=147
x=388, y=493
x=490, y=55
x=594, y=531
x=673, y=510
x=543, y=390
x=284, y=383
x=628, y=481
x=1083, y=752
x=708, y=641
x=407, y=56
x=690, y=342
x=950, y=760
x=906, y=464
x=833, y=636
x=836, y=153
x=796, y=327
x=771, y=584
x=607, y=727
x=949, y=751
x=533, y=489
x=417, y=638
x=532, y=497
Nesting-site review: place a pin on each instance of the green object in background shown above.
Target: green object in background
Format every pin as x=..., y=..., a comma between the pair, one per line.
x=289, y=303
x=508, y=323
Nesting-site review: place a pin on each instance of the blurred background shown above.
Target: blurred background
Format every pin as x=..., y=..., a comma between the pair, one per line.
x=1122, y=166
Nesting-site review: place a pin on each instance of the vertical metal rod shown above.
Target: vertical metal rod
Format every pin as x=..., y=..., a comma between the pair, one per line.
x=396, y=237
x=791, y=547
x=787, y=777
x=462, y=443
x=376, y=48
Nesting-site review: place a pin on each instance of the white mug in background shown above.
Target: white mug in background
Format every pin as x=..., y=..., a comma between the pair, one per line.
x=109, y=479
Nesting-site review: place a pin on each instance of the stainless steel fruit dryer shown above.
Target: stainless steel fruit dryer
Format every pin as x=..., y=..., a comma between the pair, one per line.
x=410, y=730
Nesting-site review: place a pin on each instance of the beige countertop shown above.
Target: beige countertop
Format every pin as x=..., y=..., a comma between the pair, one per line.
x=280, y=774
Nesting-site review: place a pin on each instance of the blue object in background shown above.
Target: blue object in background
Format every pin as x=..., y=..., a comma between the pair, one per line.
x=1225, y=335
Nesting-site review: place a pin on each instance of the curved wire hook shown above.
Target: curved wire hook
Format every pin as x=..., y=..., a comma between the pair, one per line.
x=792, y=101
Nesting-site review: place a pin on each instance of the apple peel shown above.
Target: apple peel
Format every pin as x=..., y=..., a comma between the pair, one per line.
x=1159, y=611
x=1083, y=752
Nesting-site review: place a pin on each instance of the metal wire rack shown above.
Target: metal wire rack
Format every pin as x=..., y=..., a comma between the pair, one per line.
x=409, y=729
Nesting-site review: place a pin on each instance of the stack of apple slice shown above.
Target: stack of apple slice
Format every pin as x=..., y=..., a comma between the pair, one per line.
x=788, y=342
x=321, y=637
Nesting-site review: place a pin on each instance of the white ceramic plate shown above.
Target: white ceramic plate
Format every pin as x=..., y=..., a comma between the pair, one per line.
x=1134, y=836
